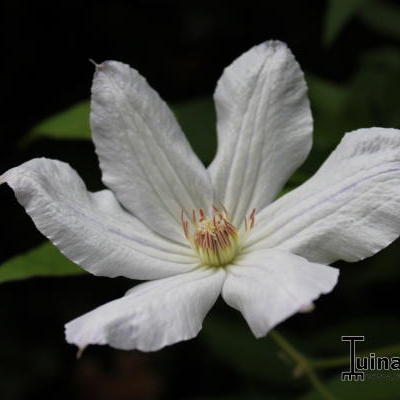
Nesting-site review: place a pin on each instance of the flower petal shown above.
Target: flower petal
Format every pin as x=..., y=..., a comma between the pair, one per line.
x=264, y=127
x=349, y=210
x=91, y=228
x=145, y=158
x=271, y=285
x=152, y=315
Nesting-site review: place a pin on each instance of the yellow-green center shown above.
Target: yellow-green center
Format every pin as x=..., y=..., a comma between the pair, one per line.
x=215, y=239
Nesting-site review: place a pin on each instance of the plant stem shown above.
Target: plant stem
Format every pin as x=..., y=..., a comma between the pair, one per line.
x=303, y=365
x=340, y=361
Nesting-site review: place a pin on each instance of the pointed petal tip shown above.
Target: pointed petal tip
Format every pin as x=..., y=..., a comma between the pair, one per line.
x=271, y=45
x=68, y=331
x=107, y=67
x=259, y=334
x=80, y=351
x=97, y=66
x=308, y=308
x=275, y=43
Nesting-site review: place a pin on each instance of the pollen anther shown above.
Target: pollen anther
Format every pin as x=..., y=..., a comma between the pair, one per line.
x=215, y=239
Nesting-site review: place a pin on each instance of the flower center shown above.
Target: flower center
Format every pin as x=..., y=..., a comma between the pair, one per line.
x=214, y=239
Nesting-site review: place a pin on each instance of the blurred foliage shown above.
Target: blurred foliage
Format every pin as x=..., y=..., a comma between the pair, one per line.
x=376, y=85
x=197, y=119
x=338, y=13
x=383, y=17
x=72, y=123
x=260, y=361
x=379, y=15
x=45, y=260
x=325, y=340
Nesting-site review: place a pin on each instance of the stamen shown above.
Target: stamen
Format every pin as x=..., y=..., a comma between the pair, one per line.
x=202, y=215
x=215, y=239
x=252, y=218
x=194, y=216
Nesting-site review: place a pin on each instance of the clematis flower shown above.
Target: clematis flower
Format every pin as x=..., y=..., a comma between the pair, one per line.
x=196, y=233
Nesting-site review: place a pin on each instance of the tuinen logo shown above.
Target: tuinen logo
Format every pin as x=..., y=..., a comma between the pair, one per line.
x=370, y=362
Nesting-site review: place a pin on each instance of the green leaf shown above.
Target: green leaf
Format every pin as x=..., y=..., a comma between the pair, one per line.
x=383, y=17
x=72, y=123
x=327, y=341
x=329, y=103
x=233, y=343
x=333, y=114
x=376, y=85
x=198, y=121
x=44, y=260
x=338, y=13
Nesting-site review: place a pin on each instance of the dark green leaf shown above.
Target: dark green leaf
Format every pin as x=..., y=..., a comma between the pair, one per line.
x=326, y=341
x=383, y=17
x=72, y=123
x=234, y=344
x=197, y=118
x=338, y=13
x=44, y=260
x=329, y=102
x=376, y=85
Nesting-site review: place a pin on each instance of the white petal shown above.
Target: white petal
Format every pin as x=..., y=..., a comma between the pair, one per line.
x=271, y=285
x=145, y=158
x=152, y=315
x=91, y=228
x=264, y=127
x=349, y=210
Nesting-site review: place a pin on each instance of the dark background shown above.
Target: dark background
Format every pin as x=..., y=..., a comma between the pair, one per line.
x=181, y=48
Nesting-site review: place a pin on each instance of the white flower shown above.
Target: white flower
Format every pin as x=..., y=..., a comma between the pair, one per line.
x=194, y=231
